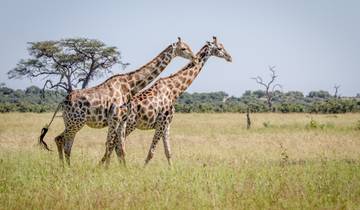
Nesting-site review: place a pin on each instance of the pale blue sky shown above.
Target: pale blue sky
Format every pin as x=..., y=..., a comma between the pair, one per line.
x=313, y=43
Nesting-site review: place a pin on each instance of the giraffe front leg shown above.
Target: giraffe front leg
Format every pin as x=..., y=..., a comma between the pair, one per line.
x=156, y=139
x=120, y=143
x=109, y=144
x=166, y=142
x=120, y=147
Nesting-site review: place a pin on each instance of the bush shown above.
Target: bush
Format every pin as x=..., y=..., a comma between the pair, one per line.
x=313, y=124
x=357, y=125
x=30, y=100
x=266, y=124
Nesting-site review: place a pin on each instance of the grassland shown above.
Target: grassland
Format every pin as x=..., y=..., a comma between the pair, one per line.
x=285, y=161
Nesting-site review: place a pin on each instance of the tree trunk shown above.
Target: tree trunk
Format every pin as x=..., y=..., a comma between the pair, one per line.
x=86, y=81
x=269, y=104
x=248, y=120
x=69, y=89
x=268, y=97
x=88, y=76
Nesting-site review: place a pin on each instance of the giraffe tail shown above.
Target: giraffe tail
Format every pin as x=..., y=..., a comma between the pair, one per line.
x=42, y=143
x=45, y=129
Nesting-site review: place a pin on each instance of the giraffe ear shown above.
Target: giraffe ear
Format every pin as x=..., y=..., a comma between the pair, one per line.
x=179, y=39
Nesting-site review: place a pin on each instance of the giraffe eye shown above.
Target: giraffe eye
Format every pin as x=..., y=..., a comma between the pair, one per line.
x=183, y=49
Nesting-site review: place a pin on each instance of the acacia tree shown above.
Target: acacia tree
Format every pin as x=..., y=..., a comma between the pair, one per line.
x=269, y=86
x=67, y=63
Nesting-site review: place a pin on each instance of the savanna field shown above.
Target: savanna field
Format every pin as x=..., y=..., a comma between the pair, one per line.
x=285, y=161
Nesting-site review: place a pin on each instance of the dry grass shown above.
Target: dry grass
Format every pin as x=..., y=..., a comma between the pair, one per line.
x=283, y=161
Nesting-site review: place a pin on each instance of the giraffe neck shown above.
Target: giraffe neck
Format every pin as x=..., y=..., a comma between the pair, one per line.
x=140, y=78
x=182, y=79
x=137, y=80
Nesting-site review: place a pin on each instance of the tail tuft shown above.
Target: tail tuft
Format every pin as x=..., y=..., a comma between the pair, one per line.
x=41, y=138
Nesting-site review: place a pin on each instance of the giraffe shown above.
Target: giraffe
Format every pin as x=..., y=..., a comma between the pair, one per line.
x=92, y=106
x=153, y=108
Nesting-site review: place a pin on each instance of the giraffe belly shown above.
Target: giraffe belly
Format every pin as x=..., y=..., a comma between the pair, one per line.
x=147, y=124
x=96, y=121
x=144, y=127
x=96, y=124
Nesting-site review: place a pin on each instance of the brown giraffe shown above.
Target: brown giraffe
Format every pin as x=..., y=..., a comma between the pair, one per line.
x=153, y=108
x=92, y=106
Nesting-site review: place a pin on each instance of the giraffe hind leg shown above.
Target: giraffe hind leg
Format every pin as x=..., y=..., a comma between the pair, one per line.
x=67, y=147
x=69, y=136
x=106, y=158
x=120, y=144
x=156, y=138
x=167, y=144
x=116, y=134
x=64, y=144
x=59, y=140
x=73, y=121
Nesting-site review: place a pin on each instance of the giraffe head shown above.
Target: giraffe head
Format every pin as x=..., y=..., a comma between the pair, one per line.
x=217, y=49
x=183, y=50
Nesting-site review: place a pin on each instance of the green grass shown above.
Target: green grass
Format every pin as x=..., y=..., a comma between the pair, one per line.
x=218, y=164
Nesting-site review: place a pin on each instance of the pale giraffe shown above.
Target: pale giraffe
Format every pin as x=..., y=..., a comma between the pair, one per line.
x=153, y=108
x=92, y=106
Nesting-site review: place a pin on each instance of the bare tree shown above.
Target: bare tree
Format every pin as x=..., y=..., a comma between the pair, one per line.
x=269, y=86
x=336, y=87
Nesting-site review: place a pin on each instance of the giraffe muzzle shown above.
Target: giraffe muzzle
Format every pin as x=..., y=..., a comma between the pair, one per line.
x=229, y=59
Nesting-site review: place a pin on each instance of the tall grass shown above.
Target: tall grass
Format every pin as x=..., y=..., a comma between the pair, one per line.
x=218, y=164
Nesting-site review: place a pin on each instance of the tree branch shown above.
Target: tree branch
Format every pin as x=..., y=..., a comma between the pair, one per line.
x=268, y=85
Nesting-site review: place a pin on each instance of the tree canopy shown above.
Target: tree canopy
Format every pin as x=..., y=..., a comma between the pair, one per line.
x=67, y=63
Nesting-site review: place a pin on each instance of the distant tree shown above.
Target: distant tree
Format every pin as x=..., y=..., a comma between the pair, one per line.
x=269, y=86
x=319, y=94
x=295, y=94
x=33, y=90
x=259, y=93
x=67, y=63
x=247, y=93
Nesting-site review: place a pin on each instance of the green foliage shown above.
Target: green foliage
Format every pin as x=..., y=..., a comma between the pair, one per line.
x=334, y=106
x=319, y=94
x=67, y=63
x=313, y=124
x=289, y=102
x=289, y=107
x=29, y=100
